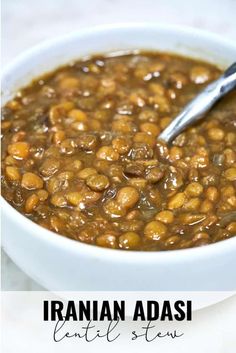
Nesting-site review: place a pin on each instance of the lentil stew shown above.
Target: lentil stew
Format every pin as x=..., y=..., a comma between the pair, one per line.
x=80, y=154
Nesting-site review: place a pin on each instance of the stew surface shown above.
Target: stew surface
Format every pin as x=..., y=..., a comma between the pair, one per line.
x=80, y=154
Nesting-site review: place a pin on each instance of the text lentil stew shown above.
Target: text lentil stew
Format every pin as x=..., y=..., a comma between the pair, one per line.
x=80, y=154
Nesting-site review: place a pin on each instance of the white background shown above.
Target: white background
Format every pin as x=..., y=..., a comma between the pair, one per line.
x=27, y=22
x=212, y=330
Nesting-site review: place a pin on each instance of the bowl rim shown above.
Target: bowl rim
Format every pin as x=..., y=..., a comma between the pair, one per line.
x=75, y=246
x=48, y=43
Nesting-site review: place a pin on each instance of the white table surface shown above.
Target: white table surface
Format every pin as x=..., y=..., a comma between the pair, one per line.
x=26, y=22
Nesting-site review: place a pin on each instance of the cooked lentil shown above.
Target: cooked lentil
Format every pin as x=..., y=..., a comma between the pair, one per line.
x=80, y=154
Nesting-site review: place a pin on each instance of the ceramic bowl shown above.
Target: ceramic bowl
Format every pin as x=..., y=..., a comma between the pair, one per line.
x=58, y=263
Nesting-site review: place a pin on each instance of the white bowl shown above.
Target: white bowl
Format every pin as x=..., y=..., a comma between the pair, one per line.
x=59, y=263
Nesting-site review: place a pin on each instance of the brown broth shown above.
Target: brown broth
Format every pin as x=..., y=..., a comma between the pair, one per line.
x=80, y=154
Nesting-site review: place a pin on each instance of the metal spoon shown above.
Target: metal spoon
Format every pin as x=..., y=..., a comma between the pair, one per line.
x=201, y=104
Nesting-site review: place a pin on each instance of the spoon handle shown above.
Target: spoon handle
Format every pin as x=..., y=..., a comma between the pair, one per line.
x=201, y=104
